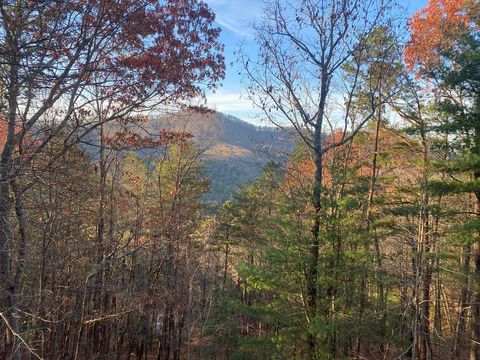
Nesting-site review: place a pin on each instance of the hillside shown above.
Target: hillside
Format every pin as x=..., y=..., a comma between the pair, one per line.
x=234, y=151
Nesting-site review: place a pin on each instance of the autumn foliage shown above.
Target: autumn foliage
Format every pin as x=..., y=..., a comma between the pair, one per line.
x=435, y=28
x=128, y=139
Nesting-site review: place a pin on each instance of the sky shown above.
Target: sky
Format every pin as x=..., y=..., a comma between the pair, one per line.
x=235, y=17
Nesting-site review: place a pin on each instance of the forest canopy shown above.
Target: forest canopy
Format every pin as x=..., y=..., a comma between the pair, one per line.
x=138, y=223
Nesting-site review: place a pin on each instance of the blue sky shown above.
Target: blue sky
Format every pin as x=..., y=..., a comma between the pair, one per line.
x=235, y=18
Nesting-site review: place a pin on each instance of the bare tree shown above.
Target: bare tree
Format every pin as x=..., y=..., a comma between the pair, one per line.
x=307, y=75
x=54, y=53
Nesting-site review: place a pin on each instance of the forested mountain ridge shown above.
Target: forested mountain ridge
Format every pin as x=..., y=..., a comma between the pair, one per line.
x=234, y=150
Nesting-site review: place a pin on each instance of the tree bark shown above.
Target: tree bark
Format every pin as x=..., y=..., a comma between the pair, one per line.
x=425, y=345
x=8, y=298
x=475, y=342
x=368, y=222
x=312, y=272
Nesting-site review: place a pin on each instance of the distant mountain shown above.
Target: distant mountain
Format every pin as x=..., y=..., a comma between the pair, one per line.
x=235, y=151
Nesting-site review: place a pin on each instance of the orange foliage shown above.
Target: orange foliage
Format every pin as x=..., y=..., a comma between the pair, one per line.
x=358, y=156
x=4, y=132
x=300, y=173
x=128, y=139
x=434, y=29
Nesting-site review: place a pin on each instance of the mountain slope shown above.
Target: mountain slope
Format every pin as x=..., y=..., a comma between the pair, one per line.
x=235, y=151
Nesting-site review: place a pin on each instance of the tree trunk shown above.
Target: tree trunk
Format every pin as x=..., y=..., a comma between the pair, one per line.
x=98, y=327
x=475, y=342
x=464, y=299
x=312, y=272
x=368, y=222
x=423, y=271
x=8, y=297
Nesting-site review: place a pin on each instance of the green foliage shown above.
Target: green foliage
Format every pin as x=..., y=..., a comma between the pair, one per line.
x=464, y=163
x=445, y=187
x=465, y=233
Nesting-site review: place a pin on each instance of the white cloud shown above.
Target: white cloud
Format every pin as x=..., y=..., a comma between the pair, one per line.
x=233, y=104
x=237, y=15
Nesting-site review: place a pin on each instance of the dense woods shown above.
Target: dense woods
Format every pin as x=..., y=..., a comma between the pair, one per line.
x=360, y=239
